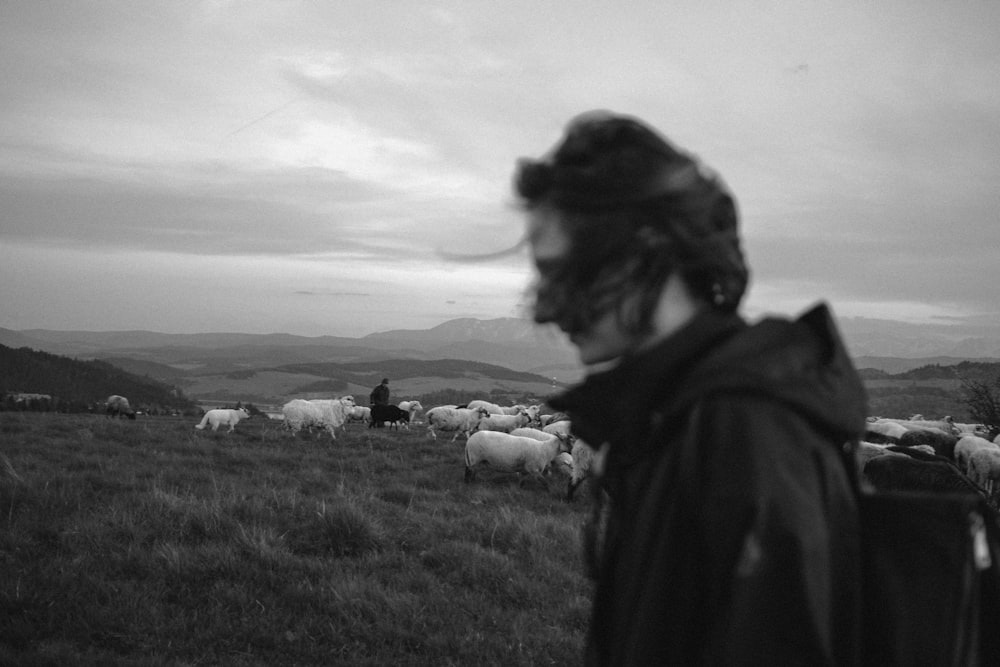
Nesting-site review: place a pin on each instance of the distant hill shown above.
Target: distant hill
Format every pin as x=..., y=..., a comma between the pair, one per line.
x=510, y=356
x=934, y=390
x=76, y=385
x=514, y=343
x=895, y=365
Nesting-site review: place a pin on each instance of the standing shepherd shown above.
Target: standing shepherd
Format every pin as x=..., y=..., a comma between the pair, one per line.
x=379, y=396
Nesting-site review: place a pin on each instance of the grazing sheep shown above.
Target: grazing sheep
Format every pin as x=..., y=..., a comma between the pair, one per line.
x=587, y=463
x=223, y=417
x=118, y=407
x=563, y=464
x=510, y=453
x=452, y=419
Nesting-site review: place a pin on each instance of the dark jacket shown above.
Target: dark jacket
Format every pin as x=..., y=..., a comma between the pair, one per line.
x=731, y=533
x=379, y=395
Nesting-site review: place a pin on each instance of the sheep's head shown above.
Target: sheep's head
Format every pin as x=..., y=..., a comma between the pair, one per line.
x=566, y=441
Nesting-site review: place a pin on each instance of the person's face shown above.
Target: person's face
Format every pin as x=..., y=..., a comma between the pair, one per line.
x=601, y=340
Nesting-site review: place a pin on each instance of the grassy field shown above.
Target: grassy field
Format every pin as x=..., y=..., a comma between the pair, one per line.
x=150, y=543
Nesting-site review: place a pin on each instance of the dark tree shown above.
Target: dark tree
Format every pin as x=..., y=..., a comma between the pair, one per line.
x=983, y=400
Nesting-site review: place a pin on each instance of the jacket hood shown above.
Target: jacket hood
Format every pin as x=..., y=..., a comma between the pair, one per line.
x=801, y=363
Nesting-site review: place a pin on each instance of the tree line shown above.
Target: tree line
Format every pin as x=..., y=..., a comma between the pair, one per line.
x=72, y=385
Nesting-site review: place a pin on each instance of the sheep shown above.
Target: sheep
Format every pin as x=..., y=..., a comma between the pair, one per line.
x=563, y=427
x=537, y=434
x=946, y=424
x=882, y=431
x=459, y=420
x=510, y=453
x=966, y=446
x=917, y=471
x=505, y=423
x=587, y=463
x=359, y=414
x=545, y=420
x=984, y=469
x=388, y=413
x=542, y=436
x=223, y=417
x=982, y=430
x=943, y=443
x=323, y=413
x=491, y=408
x=118, y=407
x=563, y=463
x=411, y=407
x=866, y=451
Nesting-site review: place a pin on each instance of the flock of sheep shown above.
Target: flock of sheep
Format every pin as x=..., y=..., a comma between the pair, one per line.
x=514, y=439
x=917, y=454
x=903, y=454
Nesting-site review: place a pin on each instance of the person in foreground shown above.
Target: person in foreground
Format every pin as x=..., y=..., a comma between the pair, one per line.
x=725, y=528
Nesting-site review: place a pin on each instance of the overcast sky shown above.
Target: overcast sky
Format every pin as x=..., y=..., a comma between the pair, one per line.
x=301, y=166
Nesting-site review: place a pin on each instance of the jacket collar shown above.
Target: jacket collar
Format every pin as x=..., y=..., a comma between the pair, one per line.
x=615, y=404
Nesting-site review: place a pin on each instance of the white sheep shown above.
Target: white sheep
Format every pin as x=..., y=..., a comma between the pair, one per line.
x=946, y=424
x=359, y=413
x=886, y=428
x=329, y=414
x=564, y=461
x=505, y=423
x=510, y=453
x=451, y=419
x=564, y=427
x=984, y=468
x=966, y=446
x=563, y=464
x=223, y=417
x=413, y=408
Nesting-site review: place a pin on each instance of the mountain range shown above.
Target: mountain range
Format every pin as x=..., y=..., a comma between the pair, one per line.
x=269, y=368
x=514, y=343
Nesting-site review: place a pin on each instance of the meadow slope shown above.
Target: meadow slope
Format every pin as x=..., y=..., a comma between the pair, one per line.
x=151, y=543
